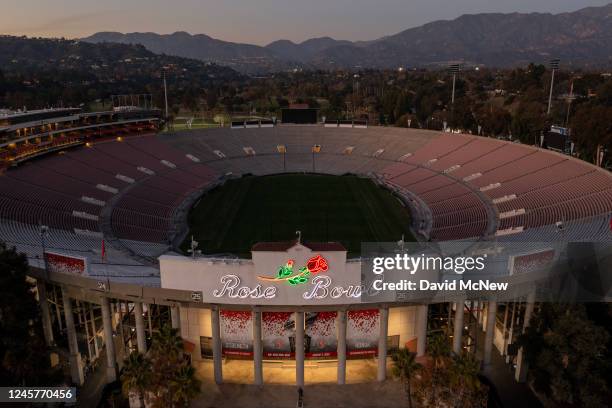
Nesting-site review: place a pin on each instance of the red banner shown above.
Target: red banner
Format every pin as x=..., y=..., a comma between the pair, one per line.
x=61, y=263
x=526, y=263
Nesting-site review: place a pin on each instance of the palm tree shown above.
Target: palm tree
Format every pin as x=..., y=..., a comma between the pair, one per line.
x=184, y=386
x=167, y=357
x=167, y=342
x=136, y=376
x=438, y=348
x=173, y=379
x=464, y=378
x=404, y=367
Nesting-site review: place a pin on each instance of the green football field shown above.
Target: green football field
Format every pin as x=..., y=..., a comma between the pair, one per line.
x=347, y=209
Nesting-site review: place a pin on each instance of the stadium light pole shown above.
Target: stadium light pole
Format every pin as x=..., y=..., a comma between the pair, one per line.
x=454, y=70
x=165, y=92
x=570, y=98
x=554, y=65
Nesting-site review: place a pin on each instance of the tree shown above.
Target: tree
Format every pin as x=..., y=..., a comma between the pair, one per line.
x=405, y=367
x=466, y=388
x=185, y=387
x=173, y=381
x=136, y=376
x=433, y=378
x=438, y=348
x=569, y=355
x=164, y=377
x=591, y=127
x=24, y=356
x=449, y=380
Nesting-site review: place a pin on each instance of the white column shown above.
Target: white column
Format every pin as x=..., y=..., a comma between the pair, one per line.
x=175, y=315
x=421, y=331
x=216, y=345
x=44, y=308
x=299, y=349
x=140, y=330
x=92, y=316
x=511, y=331
x=83, y=320
x=257, y=348
x=119, y=306
x=520, y=374
x=149, y=322
x=58, y=313
x=113, y=312
x=107, y=322
x=458, y=329
x=490, y=333
x=481, y=320
x=505, y=329
x=341, y=327
x=383, y=312
x=76, y=366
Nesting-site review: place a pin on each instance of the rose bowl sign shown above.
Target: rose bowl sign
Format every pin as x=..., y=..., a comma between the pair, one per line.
x=291, y=276
x=321, y=288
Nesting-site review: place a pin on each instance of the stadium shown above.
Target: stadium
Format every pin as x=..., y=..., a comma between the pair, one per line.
x=125, y=228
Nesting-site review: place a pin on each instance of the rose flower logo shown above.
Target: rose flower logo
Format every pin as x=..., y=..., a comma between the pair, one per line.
x=316, y=264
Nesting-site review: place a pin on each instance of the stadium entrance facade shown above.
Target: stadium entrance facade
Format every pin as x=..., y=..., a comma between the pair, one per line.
x=293, y=304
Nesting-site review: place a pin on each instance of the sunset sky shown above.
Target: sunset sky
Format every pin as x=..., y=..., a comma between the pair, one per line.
x=252, y=21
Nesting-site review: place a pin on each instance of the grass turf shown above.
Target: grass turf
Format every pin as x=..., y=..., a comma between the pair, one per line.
x=347, y=209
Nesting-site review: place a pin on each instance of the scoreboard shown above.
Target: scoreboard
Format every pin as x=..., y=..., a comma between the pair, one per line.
x=558, y=139
x=299, y=116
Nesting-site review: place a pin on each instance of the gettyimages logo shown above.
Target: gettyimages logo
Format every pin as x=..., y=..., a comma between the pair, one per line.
x=412, y=264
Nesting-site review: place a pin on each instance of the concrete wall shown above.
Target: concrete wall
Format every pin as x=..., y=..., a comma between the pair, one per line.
x=195, y=322
x=402, y=322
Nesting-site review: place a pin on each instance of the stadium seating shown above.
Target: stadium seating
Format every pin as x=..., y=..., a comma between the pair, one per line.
x=472, y=187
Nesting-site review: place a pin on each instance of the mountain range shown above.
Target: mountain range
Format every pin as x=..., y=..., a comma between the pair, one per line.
x=581, y=38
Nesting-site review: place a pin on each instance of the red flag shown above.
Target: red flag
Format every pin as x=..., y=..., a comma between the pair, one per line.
x=103, y=250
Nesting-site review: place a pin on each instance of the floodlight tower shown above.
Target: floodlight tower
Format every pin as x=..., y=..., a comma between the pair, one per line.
x=165, y=92
x=454, y=70
x=554, y=66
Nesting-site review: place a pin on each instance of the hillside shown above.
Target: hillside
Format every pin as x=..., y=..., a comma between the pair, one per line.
x=41, y=72
x=580, y=38
x=242, y=57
